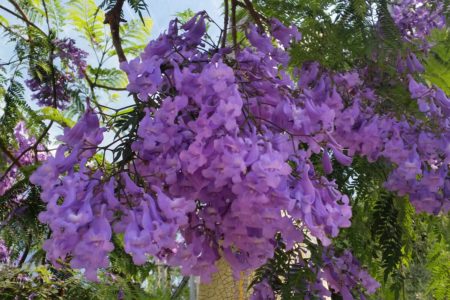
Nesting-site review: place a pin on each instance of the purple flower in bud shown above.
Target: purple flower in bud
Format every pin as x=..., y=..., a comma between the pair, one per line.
x=195, y=29
x=414, y=64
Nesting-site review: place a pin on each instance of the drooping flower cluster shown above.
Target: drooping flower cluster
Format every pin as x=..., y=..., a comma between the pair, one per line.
x=417, y=18
x=223, y=160
x=25, y=155
x=418, y=154
x=200, y=145
x=74, y=57
x=344, y=274
x=75, y=212
x=52, y=89
x=82, y=211
x=417, y=148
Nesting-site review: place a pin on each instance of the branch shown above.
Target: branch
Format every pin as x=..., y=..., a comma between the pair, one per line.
x=108, y=87
x=46, y=15
x=34, y=146
x=112, y=17
x=225, y=24
x=22, y=16
x=50, y=59
x=9, y=154
x=13, y=33
x=233, y=23
x=26, y=251
x=255, y=15
x=180, y=288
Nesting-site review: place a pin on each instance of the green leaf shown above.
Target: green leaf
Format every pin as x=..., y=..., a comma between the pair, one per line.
x=437, y=64
x=88, y=20
x=51, y=113
x=108, y=77
x=4, y=21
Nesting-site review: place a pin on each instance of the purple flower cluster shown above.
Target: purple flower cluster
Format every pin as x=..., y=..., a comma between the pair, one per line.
x=24, y=142
x=44, y=93
x=83, y=208
x=417, y=18
x=262, y=291
x=76, y=211
x=201, y=146
x=73, y=56
x=47, y=92
x=416, y=147
x=343, y=274
x=417, y=151
x=4, y=253
x=224, y=159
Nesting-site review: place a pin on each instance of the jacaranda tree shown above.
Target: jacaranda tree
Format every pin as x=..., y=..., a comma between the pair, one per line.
x=306, y=148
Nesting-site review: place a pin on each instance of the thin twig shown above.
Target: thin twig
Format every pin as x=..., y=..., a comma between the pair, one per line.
x=14, y=33
x=233, y=24
x=98, y=85
x=46, y=15
x=22, y=16
x=9, y=154
x=225, y=24
x=26, y=251
x=180, y=288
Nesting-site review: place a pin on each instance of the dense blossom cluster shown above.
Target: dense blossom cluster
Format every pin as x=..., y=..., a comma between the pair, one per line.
x=417, y=18
x=217, y=171
x=418, y=154
x=52, y=89
x=221, y=142
x=343, y=274
x=422, y=153
x=79, y=224
x=224, y=160
x=24, y=142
